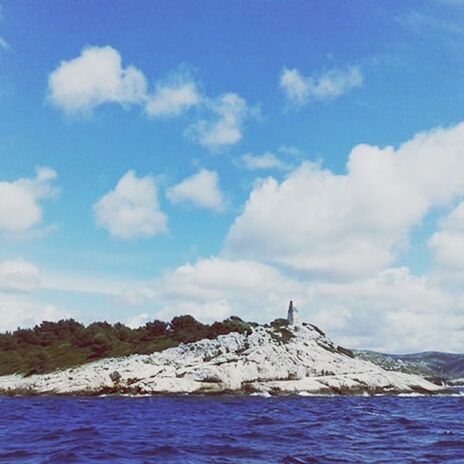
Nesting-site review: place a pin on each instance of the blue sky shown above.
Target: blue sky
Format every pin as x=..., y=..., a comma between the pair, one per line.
x=193, y=158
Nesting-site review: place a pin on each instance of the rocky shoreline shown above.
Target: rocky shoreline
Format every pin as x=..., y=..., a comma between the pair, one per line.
x=294, y=359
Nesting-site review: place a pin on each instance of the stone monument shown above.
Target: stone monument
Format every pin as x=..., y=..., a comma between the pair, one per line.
x=293, y=316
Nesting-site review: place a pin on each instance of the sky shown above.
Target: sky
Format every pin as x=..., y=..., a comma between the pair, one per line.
x=170, y=157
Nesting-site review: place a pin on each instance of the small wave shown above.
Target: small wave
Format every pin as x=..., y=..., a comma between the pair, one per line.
x=305, y=393
x=295, y=460
x=15, y=455
x=263, y=420
x=194, y=430
x=448, y=444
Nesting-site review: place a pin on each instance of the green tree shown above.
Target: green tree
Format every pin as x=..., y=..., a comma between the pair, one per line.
x=101, y=345
x=154, y=329
x=186, y=329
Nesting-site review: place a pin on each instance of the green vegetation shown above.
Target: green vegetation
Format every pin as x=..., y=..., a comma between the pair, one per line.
x=57, y=345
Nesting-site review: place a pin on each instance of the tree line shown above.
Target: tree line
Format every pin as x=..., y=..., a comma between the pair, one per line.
x=57, y=345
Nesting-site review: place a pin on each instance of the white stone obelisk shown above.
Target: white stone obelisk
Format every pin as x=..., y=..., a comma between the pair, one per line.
x=293, y=316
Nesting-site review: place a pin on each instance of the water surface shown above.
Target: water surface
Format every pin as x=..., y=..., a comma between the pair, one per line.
x=185, y=430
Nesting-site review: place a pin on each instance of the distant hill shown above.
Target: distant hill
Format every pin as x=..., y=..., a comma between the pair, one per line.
x=447, y=366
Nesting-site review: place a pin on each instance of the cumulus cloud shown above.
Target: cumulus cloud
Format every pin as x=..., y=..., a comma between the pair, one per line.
x=200, y=190
x=265, y=161
x=171, y=99
x=131, y=209
x=226, y=127
x=213, y=288
x=20, y=200
x=300, y=89
x=447, y=244
x=18, y=275
x=393, y=311
x=19, y=306
x=18, y=311
x=95, y=77
x=351, y=224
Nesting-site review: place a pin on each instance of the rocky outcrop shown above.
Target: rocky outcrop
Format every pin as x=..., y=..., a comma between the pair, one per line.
x=283, y=360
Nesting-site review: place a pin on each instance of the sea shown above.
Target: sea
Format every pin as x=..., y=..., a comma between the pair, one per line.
x=228, y=429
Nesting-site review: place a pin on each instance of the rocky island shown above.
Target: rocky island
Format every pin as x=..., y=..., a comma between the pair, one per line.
x=293, y=358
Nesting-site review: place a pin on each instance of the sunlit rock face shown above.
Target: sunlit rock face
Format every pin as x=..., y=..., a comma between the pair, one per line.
x=293, y=359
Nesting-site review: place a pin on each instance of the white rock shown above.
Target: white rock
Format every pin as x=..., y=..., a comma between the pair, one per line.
x=296, y=360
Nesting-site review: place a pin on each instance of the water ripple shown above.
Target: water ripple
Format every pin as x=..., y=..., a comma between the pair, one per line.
x=230, y=430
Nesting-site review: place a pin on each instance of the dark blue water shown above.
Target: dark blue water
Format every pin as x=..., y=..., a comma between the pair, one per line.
x=232, y=430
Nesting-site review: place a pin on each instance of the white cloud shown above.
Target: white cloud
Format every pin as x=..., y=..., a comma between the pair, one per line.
x=134, y=322
x=20, y=207
x=393, y=311
x=18, y=275
x=97, y=76
x=291, y=151
x=94, y=78
x=301, y=89
x=90, y=284
x=207, y=312
x=265, y=161
x=18, y=311
x=131, y=210
x=19, y=305
x=173, y=98
x=226, y=128
x=447, y=244
x=350, y=224
x=213, y=288
x=200, y=190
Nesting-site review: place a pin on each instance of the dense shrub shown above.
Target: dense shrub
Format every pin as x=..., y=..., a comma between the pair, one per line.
x=56, y=345
x=101, y=345
x=280, y=322
x=154, y=329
